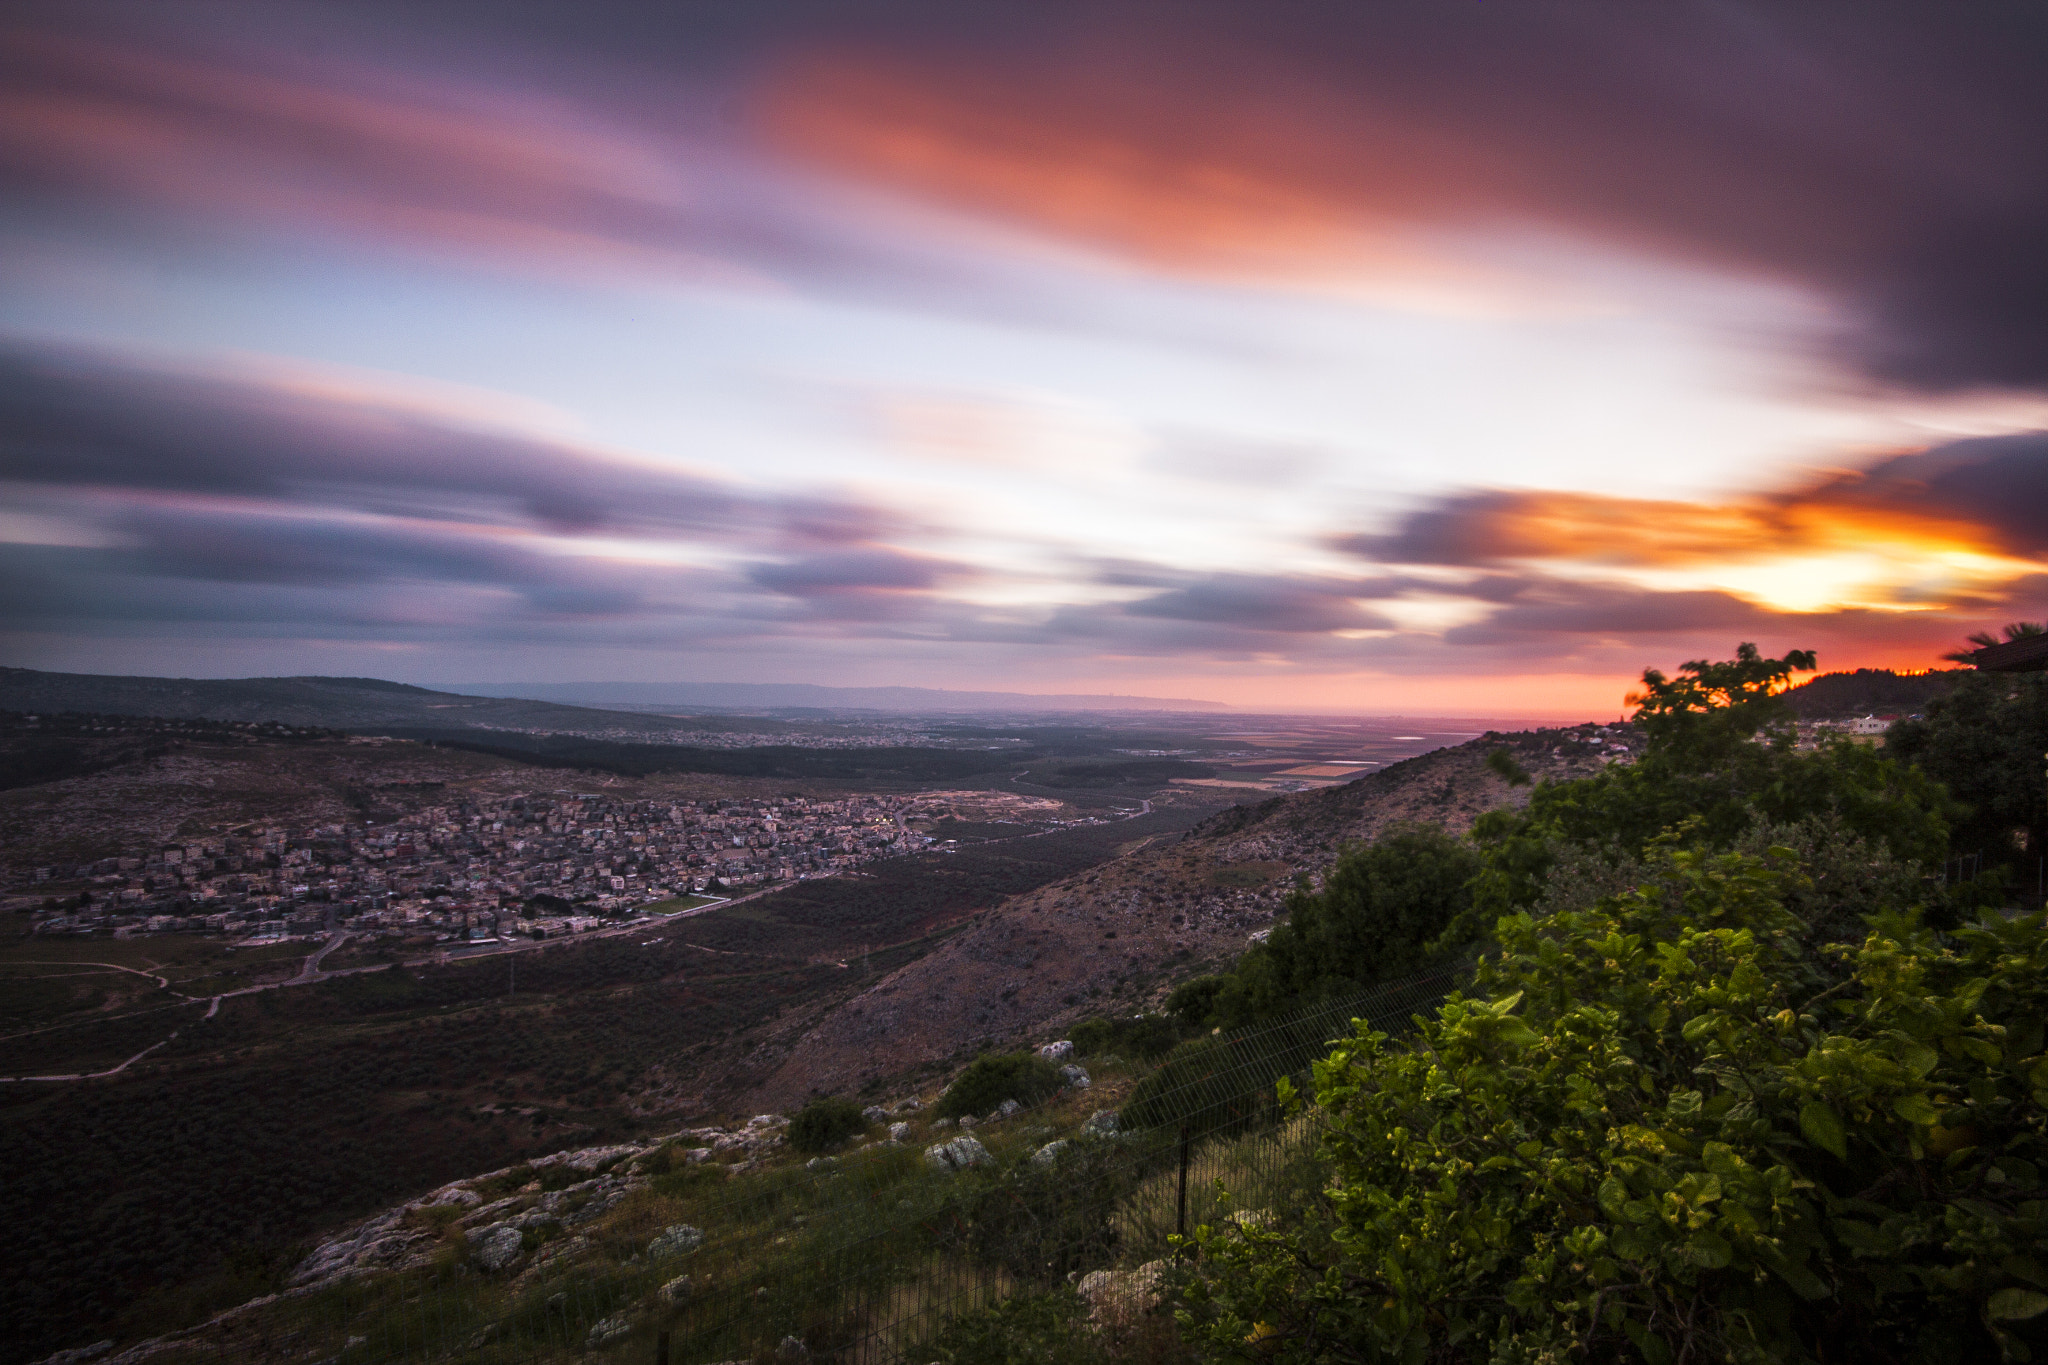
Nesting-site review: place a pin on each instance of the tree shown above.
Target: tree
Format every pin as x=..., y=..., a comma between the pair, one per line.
x=1381, y=907
x=1699, y=716
x=1720, y=750
x=1654, y=1134
x=1984, y=639
x=1985, y=741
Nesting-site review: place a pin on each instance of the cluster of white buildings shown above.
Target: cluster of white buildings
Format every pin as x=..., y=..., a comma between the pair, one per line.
x=540, y=863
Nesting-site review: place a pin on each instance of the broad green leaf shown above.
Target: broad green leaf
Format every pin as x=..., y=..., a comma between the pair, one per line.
x=1984, y=1050
x=1914, y=1108
x=2017, y=1305
x=1517, y=1033
x=1920, y=1059
x=1823, y=1127
x=1710, y=1249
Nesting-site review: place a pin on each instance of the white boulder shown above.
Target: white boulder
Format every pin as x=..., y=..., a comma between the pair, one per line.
x=956, y=1155
x=1048, y=1154
x=679, y=1239
x=495, y=1247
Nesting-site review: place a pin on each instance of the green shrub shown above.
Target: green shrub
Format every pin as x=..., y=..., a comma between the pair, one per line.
x=1147, y=1036
x=1026, y=1329
x=995, y=1077
x=1381, y=909
x=1192, y=1002
x=1043, y=1222
x=823, y=1124
x=1984, y=741
x=1208, y=1085
x=1661, y=1132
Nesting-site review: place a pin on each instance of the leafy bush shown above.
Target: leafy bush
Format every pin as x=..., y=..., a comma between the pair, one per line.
x=1380, y=910
x=1193, y=1002
x=1659, y=1133
x=1042, y=1222
x=1146, y=1036
x=1984, y=741
x=823, y=1124
x=1720, y=751
x=995, y=1077
x=1210, y=1086
x=1026, y=1329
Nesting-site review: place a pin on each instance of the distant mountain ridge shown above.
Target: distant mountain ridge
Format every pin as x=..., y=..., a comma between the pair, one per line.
x=812, y=696
x=333, y=703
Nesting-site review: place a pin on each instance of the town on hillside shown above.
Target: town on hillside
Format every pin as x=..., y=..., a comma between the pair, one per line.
x=473, y=869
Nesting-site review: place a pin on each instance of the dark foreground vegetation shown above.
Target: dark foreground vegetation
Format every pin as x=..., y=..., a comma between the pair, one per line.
x=1742, y=1075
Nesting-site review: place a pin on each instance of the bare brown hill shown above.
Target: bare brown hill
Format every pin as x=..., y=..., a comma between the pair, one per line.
x=1117, y=937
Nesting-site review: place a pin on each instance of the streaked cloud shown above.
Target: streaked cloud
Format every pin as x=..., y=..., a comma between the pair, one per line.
x=1089, y=344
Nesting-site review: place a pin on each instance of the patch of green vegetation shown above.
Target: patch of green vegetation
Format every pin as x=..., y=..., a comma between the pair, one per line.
x=997, y=1076
x=1049, y=1328
x=1145, y=1036
x=824, y=1124
x=1378, y=916
x=1664, y=1127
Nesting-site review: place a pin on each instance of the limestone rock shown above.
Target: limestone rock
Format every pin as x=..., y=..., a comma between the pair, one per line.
x=587, y=1158
x=605, y=1331
x=384, y=1242
x=909, y=1106
x=1005, y=1109
x=874, y=1113
x=696, y=1156
x=968, y=1121
x=678, y=1240
x=676, y=1291
x=956, y=1155
x=1048, y=1154
x=898, y=1131
x=942, y=1123
x=78, y=1354
x=1057, y=1052
x=821, y=1163
x=1075, y=1076
x=792, y=1349
x=1102, y=1123
x=1118, y=1298
x=496, y=1246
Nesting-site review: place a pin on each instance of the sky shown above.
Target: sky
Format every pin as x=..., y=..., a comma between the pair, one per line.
x=1423, y=357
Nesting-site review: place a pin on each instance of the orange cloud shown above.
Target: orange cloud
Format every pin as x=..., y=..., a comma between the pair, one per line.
x=1250, y=190
x=1640, y=533
x=1950, y=528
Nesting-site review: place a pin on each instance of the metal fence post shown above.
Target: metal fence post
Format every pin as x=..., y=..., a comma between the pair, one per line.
x=661, y=1347
x=1180, y=1217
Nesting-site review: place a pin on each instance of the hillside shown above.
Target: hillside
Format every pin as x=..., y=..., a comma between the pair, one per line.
x=1868, y=691
x=1115, y=938
x=335, y=703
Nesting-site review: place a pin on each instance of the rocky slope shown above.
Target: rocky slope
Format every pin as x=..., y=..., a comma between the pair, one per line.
x=1117, y=937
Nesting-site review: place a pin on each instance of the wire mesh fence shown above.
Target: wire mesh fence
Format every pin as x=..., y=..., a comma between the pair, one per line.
x=871, y=1258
